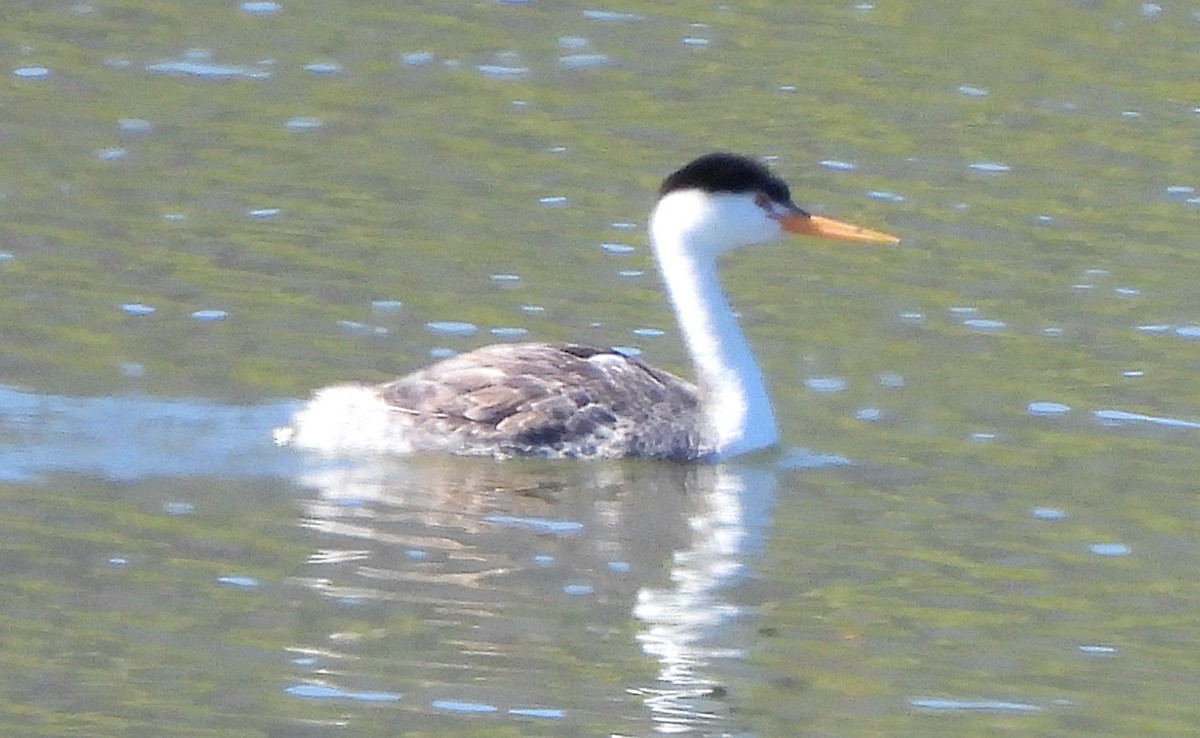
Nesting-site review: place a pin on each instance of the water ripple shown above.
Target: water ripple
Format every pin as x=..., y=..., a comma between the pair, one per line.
x=135, y=437
x=802, y=458
x=1047, y=408
x=134, y=126
x=204, y=70
x=1047, y=513
x=584, y=61
x=825, y=384
x=304, y=123
x=942, y=705
x=1109, y=549
x=325, y=692
x=112, y=153
x=1120, y=417
x=838, y=166
x=984, y=325
x=470, y=708
x=323, y=68
x=609, y=15
x=451, y=328
x=417, y=58
x=31, y=73
x=541, y=525
x=499, y=71
x=618, y=248
x=537, y=712
x=260, y=7
x=238, y=581
x=210, y=316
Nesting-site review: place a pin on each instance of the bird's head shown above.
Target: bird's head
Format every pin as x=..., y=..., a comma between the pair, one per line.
x=723, y=201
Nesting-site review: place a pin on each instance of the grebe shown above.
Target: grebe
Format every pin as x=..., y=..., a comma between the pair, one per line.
x=568, y=400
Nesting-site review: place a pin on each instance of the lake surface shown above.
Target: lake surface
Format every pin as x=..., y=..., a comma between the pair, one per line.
x=983, y=517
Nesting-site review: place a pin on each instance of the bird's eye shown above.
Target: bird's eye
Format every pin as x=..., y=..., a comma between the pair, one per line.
x=762, y=201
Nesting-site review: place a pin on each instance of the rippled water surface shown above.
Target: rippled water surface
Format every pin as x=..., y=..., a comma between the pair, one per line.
x=983, y=518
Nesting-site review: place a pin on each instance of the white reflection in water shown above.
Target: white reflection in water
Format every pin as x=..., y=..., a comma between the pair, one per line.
x=611, y=527
x=686, y=625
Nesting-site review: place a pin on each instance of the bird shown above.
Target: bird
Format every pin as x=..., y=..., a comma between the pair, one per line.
x=567, y=400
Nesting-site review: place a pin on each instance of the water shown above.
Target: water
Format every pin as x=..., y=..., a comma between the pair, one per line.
x=208, y=212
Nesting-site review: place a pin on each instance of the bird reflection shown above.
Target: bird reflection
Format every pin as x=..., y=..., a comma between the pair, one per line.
x=513, y=563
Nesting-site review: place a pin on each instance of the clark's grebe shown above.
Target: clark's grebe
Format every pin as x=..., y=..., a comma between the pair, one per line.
x=567, y=400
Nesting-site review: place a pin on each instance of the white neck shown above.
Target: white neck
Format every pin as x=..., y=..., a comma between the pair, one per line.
x=733, y=394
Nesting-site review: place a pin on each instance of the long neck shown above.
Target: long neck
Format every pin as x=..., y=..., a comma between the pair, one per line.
x=733, y=395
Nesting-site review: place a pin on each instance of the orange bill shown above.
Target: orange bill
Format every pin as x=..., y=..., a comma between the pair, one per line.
x=816, y=225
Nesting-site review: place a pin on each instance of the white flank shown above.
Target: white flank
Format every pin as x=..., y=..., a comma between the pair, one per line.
x=345, y=418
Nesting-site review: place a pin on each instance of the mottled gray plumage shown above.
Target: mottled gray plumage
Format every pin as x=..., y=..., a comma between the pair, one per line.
x=557, y=400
